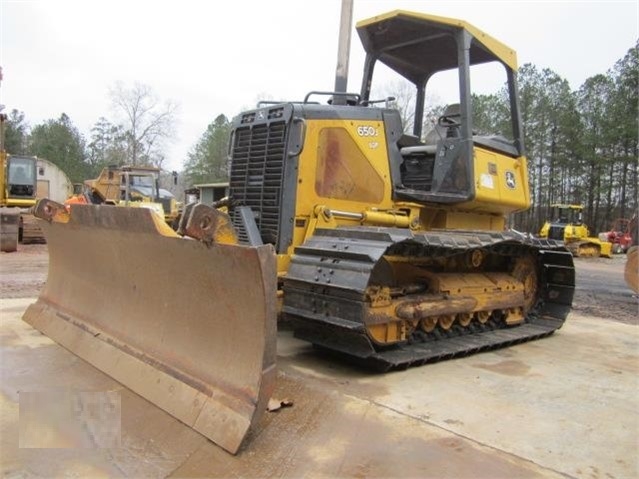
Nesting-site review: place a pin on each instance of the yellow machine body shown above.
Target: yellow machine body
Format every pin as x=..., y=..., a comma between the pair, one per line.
x=357, y=182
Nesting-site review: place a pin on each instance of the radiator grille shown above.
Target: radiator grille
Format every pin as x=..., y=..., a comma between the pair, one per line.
x=556, y=233
x=257, y=168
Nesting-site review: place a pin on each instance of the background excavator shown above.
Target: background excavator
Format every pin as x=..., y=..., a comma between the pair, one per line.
x=18, y=188
x=386, y=248
x=567, y=225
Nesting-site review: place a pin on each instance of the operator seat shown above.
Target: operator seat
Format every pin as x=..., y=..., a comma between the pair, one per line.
x=419, y=160
x=439, y=131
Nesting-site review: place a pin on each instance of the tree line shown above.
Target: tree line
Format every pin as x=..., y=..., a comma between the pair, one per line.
x=582, y=146
x=138, y=134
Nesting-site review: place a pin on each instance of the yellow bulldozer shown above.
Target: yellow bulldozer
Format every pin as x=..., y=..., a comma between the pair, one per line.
x=388, y=248
x=567, y=225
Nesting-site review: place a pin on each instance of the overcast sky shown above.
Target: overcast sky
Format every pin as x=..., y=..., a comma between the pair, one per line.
x=214, y=57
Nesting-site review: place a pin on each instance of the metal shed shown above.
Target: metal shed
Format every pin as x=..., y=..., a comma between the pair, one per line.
x=53, y=183
x=211, y=192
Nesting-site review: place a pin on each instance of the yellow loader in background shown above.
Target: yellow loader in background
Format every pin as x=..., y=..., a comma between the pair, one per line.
x=387, y=248
x=566, y=224
x=130, y=186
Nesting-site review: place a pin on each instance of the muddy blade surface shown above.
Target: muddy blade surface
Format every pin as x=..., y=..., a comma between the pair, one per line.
x=188, y=327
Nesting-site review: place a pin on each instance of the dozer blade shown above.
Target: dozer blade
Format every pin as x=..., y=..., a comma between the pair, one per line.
x=189, y=327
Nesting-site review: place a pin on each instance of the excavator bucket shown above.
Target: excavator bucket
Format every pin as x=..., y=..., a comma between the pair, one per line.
x=189, y=326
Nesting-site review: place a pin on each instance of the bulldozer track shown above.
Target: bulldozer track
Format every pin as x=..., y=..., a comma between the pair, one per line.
x=326, y=283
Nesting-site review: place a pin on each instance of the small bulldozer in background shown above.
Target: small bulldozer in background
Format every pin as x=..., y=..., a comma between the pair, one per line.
x=567, y=225
x=387, y=248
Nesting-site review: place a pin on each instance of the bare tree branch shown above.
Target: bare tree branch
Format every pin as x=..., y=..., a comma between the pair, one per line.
x=147, y=122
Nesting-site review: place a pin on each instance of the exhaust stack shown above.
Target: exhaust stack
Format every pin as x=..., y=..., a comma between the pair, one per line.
x=343, y=51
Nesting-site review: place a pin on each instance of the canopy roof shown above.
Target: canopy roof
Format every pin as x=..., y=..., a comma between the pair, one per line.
x=417, y=45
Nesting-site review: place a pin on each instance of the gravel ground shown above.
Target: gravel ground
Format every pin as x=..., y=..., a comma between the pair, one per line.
x=23, y=273
x=602, y=291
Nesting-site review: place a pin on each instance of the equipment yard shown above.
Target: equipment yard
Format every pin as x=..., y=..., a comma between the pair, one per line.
x=384, y=247
x=565, y=406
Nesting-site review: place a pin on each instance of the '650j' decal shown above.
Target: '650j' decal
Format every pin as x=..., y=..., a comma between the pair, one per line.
x=366, y=130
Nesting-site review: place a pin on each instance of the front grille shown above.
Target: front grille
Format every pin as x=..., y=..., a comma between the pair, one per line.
x=556, y=233
x=257, y=168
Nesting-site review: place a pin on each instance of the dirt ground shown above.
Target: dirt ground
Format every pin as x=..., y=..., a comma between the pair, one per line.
x=23, y=273
x=601, y=290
